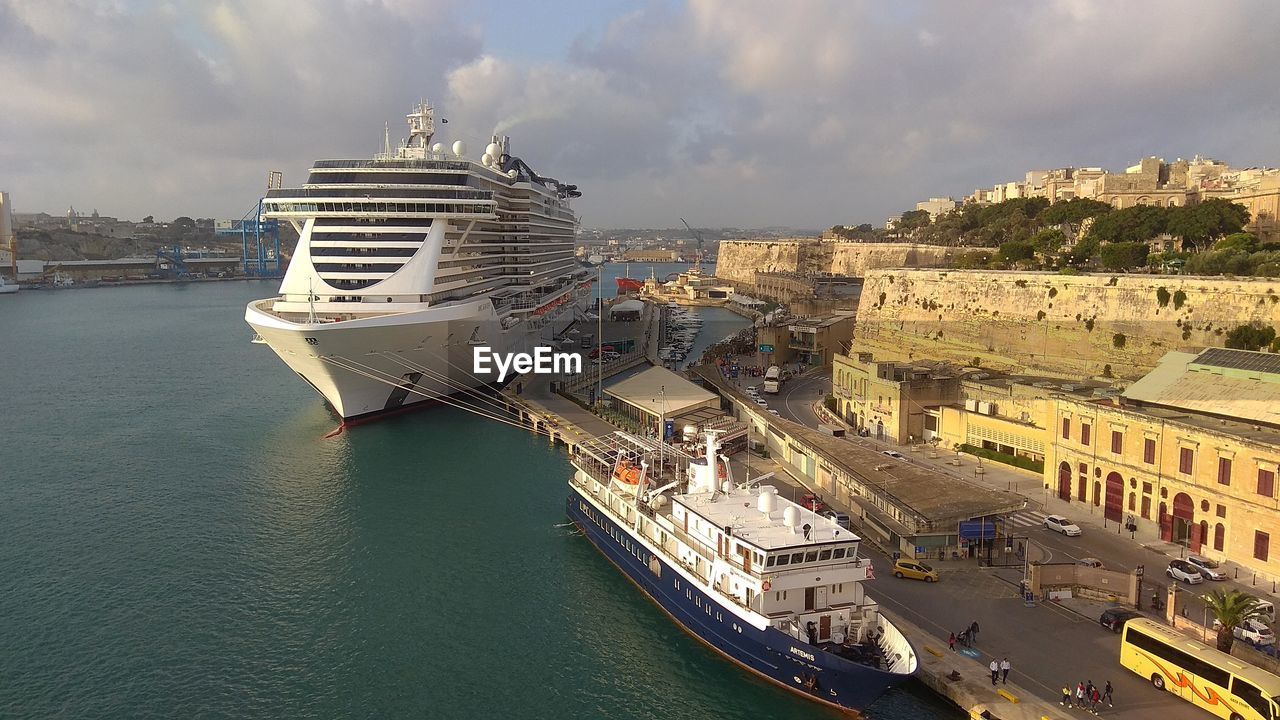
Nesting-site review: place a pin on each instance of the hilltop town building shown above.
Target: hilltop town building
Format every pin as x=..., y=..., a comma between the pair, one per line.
x=1151, y=181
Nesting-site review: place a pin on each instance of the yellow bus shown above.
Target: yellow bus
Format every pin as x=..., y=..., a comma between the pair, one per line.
x=1202, y=675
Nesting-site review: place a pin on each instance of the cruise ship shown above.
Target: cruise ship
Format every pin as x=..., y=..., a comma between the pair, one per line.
x=767, y=583
x=408, y=261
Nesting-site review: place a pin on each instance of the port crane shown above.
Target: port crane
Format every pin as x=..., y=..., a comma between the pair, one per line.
x=697, y=265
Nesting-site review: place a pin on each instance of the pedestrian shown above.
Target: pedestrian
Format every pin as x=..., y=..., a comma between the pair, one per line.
x=1066, y=696
x=973, y=630
x=1094, y=699
x=995, y=671
x=1004, y=671
x=1106, y=695
x=1080, y=695
x=951, y=642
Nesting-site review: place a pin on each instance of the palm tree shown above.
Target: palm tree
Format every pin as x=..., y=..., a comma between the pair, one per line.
x=1231, y=609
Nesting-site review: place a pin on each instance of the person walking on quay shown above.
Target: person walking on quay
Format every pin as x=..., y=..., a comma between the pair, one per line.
x=1094, y=698
x=973, y=630
x=995, y=671
x=1080, y=695
x=1066, y=697
x=951, y=642
x=1106, y=695
x=1005, y=667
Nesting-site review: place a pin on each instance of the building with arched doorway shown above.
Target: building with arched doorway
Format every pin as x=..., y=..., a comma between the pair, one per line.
x=1189, y=453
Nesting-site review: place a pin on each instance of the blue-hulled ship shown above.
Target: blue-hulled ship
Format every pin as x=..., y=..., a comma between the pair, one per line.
x=769, y=584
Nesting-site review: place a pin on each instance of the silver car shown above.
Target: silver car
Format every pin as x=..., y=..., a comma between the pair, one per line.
x=1184, y=571
x=1208, y=568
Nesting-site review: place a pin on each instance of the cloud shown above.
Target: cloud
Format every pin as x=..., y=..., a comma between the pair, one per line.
x=725, y=112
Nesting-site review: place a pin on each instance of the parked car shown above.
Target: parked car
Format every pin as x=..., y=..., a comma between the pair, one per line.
x=1060, y=524
x=1092, y=562
x=1253, y=631
x=1114, y=619
x=1208, y=568
x=813, y=502
x=838, y=518
x=893, y=454
x=915, y=570
x=775, y=413
x=1184, y=571
x=762, y=402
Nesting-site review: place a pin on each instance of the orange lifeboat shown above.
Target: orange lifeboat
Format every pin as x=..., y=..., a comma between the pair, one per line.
x=626, y=473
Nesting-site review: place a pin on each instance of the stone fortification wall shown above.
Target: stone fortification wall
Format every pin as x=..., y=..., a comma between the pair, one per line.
x=1044, y=322
x=857, y=258
x=738, y=260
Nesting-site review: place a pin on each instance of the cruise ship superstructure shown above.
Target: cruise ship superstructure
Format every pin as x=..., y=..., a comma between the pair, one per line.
x=769, y=584
x=408, y=261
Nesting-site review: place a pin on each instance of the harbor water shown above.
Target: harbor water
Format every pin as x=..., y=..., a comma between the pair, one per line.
x=182, y=540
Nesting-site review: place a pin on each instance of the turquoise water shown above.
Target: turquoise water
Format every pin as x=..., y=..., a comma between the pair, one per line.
x=180, y=540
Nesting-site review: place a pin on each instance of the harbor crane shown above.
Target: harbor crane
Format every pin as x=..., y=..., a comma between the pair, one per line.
x=697, y=265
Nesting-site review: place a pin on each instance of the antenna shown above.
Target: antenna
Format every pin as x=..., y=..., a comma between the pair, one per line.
x=311, y=300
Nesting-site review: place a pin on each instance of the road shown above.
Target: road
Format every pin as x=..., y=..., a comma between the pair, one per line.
x=1048, y=645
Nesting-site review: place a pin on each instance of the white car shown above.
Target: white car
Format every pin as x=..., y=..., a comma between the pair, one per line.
x=1208, y=568
x=762, y=402
x=1061, y=524
x=1184, y=571
x=774, y=412
x=1254, y=631
x=893, y=454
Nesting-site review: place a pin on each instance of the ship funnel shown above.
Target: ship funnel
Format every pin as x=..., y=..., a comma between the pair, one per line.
x=764, y=503
x=791, y=517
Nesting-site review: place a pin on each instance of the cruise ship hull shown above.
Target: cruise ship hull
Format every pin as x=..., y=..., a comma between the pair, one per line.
x=768, y=653
x=378, y=365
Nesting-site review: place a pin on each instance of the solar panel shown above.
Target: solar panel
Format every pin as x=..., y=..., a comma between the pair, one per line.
x=1239, y=360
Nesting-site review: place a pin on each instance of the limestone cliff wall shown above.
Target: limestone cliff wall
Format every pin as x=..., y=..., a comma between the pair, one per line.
x=1058, y=324
x=738, y=260
x=857, y=258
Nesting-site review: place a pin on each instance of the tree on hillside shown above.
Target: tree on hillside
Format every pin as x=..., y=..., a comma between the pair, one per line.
x=1220, y=262
x=1081, y=252
x=1124, y=255
x=913, y=220
x=1231, y=608
x=184, y=223
x=1254, y=336
x=1015, y=250
x=1073, y=211
x=1213, y=218
x=1048, y=241
x=1247, y=242
x=1132, y=224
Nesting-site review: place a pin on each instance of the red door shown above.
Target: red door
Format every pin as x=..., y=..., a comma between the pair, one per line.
x=1064, y=482
x=1115, y=497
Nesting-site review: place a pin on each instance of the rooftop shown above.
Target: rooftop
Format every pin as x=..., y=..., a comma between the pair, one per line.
x=1231, y=384
x=659, y=391
x=738, y=510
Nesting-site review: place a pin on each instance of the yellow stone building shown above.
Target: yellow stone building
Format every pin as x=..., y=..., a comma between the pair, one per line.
x=1189, y=452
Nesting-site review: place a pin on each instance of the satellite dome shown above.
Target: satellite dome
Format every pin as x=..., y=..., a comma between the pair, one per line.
x=764, y=503
x=791, y=516
x=437, y=148
x=459, y=148
x=486, y=159
x=494, y=150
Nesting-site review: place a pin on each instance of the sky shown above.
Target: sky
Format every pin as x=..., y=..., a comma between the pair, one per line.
x=740, y=113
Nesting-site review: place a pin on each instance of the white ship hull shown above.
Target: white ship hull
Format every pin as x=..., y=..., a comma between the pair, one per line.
x=385, y=363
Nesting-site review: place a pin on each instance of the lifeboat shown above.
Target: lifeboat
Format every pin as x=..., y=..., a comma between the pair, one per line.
x=627, y=475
